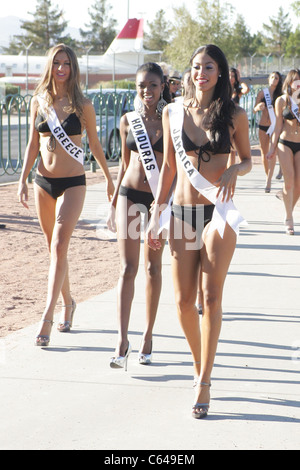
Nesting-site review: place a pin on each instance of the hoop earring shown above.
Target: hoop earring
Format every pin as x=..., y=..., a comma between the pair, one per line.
x=138, y=106
x=160, y=105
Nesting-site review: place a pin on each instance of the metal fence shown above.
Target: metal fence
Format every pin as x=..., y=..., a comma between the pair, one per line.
x=109, y=105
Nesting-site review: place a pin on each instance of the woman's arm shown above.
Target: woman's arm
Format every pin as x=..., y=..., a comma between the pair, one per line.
x=125, y=158
x=259, y=104
x=166, y=178
x=31, y=153
x=227, y=182
x=279, y=105
x=95, y=145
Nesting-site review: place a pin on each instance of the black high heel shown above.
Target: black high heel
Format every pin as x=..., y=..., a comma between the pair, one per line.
x=43, y=340
x=200, y=410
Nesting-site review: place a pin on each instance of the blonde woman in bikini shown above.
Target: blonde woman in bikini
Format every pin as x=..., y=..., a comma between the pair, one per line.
x=60, y=184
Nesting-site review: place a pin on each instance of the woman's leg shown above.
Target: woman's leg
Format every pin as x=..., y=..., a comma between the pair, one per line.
x=286, y=159
x=58, y=220
x=216, y=256
x=296, y=179
x=185, y=272
x=128, y=224
x=269, y=165
x=153, y=267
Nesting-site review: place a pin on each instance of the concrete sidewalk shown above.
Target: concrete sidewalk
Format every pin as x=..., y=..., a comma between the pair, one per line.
x=67, y=396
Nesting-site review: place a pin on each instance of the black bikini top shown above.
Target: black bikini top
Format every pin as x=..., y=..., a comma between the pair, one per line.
x=287, y=114
x=203, y=151
x=130, y=142
x=71, y=125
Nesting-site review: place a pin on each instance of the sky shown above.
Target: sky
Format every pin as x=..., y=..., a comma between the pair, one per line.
x=255, y=12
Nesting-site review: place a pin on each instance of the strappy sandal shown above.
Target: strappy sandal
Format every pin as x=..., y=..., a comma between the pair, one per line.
x=65, y=327
x=200, y=410
x=289, y=227
x=43, y=340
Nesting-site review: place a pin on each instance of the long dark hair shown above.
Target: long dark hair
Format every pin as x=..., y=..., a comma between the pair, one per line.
x=152, y=67
x=236, y=88
x=278, y=89
x=218, y=118
x=292, y=75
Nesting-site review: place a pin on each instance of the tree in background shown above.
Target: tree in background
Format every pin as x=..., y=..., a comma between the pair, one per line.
x=45, y=30
x=277, y=32
x=101, y=30
x=159, y=33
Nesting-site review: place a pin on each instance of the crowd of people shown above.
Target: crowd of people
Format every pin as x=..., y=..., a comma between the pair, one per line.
x=177, y=176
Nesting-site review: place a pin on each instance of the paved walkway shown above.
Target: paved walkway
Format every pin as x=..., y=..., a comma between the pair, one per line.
x=67, y=396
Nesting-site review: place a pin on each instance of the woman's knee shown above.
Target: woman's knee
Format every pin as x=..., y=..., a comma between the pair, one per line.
x=153, y=270
x=128, y=271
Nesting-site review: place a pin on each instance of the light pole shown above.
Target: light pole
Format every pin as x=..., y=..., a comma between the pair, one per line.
x=27, y=49
x=87, y=67
x=127, y=9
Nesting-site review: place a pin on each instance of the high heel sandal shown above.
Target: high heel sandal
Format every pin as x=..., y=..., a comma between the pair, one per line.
x=289, y=227
x=200, y=410
x=65, y=327
x=145, y=359
x=43, y=340
x=120, y=362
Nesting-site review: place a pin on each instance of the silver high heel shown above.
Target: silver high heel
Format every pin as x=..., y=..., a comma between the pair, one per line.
x=43, y=340
x=120, y=362
x=200, y=410
x=65, y=327
x=145, y=359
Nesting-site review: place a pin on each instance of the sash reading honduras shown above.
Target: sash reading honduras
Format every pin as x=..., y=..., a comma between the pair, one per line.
x=55, y=127
x=270, y=110
x=148, y=159
x=224, y=211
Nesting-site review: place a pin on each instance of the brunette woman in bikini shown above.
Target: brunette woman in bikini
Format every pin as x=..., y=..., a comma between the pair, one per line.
x=211, y=121
x=275, y=90
x=60, y=180
x=286, y=142
x=132, y=197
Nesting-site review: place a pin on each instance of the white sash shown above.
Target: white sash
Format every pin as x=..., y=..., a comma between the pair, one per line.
x=271, y=111
x=148, y=159
x=224, y=211
x=295, y=109
x=145, y=149
x=55, y=127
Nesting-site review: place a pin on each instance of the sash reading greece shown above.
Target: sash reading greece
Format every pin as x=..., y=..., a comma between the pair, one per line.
x=55, y=127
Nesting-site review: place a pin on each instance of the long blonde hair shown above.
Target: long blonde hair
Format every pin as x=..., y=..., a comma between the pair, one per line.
x=46, y=84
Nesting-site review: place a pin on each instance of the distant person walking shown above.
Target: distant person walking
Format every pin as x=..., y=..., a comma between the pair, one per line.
x=286, y=142
x=59, y=113
x=265, y=101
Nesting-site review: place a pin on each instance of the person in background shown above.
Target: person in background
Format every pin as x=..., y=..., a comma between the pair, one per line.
x=286, y=142
x=174, y=84
x=275, y=90
x=60, y=184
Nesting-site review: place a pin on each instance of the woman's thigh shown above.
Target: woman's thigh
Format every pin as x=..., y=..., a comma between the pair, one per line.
x=129, y=232
x=216, y=256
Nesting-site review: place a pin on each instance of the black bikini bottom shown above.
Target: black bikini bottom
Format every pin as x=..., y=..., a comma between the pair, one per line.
x=196, y=216
x=55, y=187
x=294, y=146
x=263, y=128
x=141, y=198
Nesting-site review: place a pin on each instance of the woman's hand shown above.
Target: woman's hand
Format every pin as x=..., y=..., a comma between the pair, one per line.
x=111, y=219
x=152, y=236
x=227, y=183
x=271, y=153
x=110, y=189
x=23, y=194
